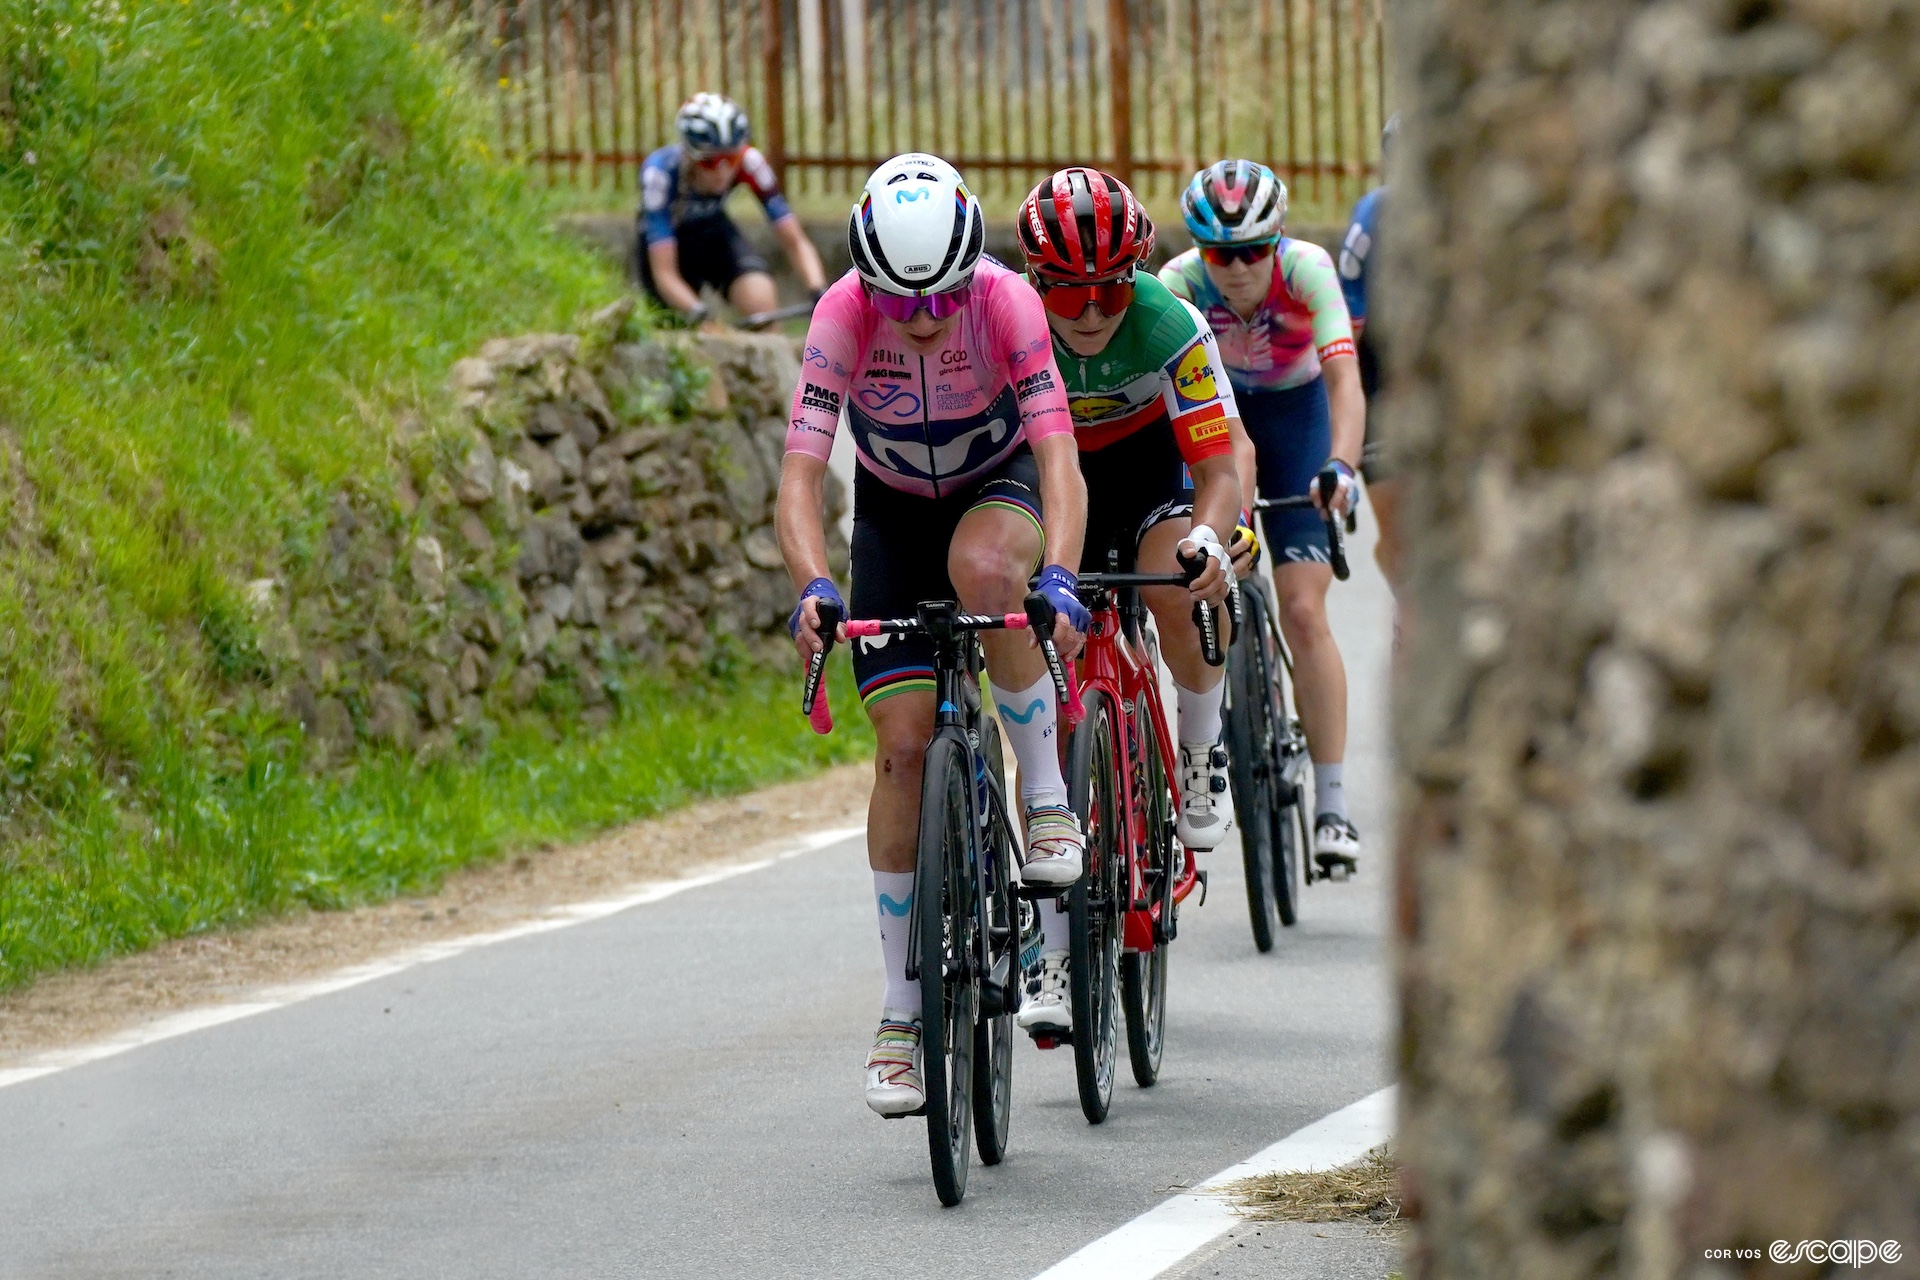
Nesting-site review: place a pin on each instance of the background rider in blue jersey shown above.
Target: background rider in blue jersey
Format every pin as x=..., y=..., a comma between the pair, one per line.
x=686, y=239
x=1358, y=252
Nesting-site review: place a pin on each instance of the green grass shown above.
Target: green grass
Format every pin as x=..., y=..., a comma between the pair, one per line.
x=229, y=845
x=240, y=244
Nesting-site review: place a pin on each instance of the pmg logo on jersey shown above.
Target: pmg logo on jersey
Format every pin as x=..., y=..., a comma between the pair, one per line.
x=1033, y=384
x=1193, y=378
x=818, y=397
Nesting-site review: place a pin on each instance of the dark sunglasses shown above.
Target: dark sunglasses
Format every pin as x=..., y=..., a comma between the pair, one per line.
x=1069, y=301
x=1222, y=255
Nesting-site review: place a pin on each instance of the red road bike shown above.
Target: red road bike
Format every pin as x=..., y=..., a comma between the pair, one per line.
x=1120, y=777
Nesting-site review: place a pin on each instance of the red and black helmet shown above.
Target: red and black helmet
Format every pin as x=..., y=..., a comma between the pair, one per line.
x=1082, y=225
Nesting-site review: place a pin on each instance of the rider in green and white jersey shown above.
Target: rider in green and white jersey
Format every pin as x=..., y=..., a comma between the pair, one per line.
x=1157, y=432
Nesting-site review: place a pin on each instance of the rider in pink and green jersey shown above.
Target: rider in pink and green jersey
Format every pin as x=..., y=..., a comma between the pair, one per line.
x=1276, y=307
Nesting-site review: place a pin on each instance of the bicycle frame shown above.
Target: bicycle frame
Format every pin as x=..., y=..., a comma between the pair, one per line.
x=957, y=664
x=1113, y=662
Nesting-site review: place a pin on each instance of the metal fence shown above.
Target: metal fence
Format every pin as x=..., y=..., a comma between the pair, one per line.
x=1006, y=89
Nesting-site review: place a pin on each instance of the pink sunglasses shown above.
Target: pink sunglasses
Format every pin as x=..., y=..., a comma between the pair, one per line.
x=901, y=308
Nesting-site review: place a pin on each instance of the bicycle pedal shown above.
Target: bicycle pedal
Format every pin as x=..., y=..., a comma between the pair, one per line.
x=920, y=1110
x=1042, y=892
x=1051, y=1041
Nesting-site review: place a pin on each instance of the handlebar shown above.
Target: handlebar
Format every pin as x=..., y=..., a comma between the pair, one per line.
x=765, y=319
x=935, y=615
x=812, y=704
x=914, y=626
x=1206, y=619
x=1336, y=543
x=1039, y=618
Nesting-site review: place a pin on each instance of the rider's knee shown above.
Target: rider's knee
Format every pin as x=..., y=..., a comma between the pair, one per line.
x=990, y=577
x=901, y=742
x=1303, y=613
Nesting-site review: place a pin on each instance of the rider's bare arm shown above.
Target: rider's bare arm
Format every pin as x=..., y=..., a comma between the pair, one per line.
x=1216, y=504
x=800, y=252
x=663, y=256
x=1347, y=404
x=1063, y=498
x=803, y=536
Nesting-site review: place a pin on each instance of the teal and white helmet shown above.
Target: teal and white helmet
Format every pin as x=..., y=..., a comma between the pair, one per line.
x=1234, y=202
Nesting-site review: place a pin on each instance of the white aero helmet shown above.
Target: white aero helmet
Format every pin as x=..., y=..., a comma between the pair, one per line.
x=916, y=228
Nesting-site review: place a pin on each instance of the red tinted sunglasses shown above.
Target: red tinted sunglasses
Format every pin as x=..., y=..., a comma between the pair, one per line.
x=1222, y=255
x=1069, y=301
x=719, y=158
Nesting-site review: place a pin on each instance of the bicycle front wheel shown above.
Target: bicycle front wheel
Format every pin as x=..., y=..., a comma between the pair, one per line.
x=993, y=1034
x=1250, y=735
x=946, y=917
x=1143, y=977
x=1095, y=905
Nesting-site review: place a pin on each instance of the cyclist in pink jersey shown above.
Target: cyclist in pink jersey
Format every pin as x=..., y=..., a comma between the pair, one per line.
x=1276, y=306
x=943, y=365
x=929, y=422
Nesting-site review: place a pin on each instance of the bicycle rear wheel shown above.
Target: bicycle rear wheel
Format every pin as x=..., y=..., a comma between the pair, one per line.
x=1143, y=977
x=1250, y=733
x=1095, y=905
x=993, y=1033
x=947, y=918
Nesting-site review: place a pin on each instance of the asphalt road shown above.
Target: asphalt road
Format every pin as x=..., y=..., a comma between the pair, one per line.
x=675, y=1091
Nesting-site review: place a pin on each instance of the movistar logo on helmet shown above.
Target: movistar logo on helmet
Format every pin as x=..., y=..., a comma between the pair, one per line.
x=904, y=195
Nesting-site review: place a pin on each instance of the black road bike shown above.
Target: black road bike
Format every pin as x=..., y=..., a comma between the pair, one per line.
x=1268, y=764
x=969, y=926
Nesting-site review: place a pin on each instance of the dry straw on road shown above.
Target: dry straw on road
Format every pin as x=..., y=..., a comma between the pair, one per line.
x=1367, y=1190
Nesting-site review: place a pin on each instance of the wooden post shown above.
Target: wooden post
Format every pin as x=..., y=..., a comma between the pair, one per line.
x=776, y=123
x=1120, y=74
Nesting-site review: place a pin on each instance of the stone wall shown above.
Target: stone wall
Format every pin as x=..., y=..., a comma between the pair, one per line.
x=587, y=508
x=1653, y=290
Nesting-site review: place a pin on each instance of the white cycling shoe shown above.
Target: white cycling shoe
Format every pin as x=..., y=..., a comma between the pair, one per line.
x=893, y=1068
x=1056, y=847
x=1204, y=803
x=1048, y=1005
x=1335, y=844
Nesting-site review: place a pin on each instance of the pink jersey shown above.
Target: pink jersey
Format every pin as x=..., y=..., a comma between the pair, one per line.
x=929, y=424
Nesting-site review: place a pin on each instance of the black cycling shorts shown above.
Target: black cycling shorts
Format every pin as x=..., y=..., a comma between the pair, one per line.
x=1132, y=485
x=712, y=251
x=900, y=545
x=1373, y=460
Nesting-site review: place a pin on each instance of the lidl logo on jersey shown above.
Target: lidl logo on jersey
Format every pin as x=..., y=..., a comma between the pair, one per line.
x=1193, y=380
x=1094, y=408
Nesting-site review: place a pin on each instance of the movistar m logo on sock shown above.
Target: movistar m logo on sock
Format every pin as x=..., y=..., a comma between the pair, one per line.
x=893, y=908
x=1034, y=708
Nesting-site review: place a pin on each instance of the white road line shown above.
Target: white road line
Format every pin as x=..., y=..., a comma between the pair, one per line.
x=1174, y=1229
x=267, y=999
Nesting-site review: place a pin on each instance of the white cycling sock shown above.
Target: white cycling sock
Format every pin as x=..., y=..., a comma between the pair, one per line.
x=893, y=900
x=1200, y=712
x=1329, y=793
x=1053, y=925
x=1028, y=717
